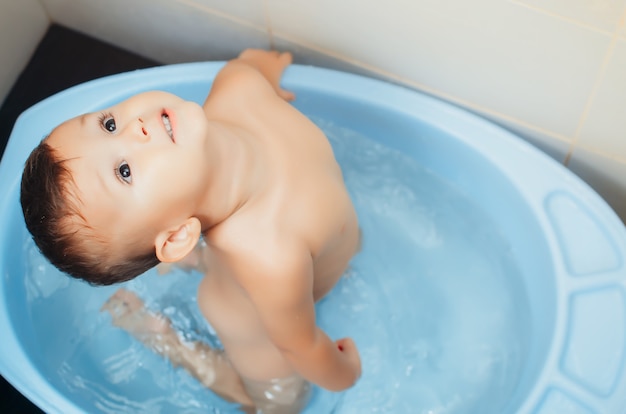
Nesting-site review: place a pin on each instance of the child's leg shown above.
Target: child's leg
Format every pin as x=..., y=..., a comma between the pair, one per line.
x=211, y=367
x=279, y=396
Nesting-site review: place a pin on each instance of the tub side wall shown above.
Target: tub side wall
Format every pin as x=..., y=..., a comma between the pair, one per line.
x=22, y=25
x=553, y=71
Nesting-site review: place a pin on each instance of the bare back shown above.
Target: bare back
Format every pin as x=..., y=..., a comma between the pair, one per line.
x=300, y=218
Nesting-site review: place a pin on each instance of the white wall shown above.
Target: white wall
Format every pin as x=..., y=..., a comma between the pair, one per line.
x=554, y=71
x=22, y=25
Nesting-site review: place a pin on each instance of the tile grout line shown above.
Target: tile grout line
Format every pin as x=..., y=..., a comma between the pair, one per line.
x=268, y=23
x=43, y=6
x=560, y=17
x=221, y=14
x=595, y=88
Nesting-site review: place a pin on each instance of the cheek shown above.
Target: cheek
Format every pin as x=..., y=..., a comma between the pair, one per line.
x=172, y=176
x=168, y=178
x=193, y=124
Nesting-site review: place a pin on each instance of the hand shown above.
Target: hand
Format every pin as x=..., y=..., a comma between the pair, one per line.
x=351, y=355
x=271, y=64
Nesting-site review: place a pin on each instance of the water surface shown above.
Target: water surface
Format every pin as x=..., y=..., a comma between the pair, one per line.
x=435, y=302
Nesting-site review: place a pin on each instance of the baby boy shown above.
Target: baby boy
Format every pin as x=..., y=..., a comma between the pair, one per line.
x=109, y=195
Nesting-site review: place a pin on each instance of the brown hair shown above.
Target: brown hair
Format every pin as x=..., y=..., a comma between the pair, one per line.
x=59, y=230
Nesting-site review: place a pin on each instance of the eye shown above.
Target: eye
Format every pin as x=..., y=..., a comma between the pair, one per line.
x=107, y=122
x=123, y=172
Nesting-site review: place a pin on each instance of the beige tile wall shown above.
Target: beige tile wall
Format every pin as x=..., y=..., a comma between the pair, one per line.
x=554, y=71
x=22, y=25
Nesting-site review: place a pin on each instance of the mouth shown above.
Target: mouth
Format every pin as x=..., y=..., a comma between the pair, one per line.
x=168, y=126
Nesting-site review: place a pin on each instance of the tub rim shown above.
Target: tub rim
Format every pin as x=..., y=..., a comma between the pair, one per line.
x=400, y=99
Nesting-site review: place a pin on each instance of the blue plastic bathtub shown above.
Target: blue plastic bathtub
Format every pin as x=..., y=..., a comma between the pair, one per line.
x=568, y=244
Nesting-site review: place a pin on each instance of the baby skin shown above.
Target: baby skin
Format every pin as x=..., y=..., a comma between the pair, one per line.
x=259, y=182
x=209, y=366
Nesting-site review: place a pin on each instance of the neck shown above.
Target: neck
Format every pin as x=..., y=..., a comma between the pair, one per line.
x=234, y=176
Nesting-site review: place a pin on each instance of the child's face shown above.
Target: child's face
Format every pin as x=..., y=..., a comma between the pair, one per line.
x=137, y=165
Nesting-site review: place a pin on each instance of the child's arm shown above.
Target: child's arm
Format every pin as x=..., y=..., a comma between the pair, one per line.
x=271, y=65
x=253, y=77
x=284, y=300
x=207, y=365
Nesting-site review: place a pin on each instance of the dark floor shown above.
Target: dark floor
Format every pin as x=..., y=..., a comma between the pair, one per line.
x=63, y=58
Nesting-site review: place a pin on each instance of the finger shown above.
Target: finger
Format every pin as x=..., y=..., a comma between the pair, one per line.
x=286, y=58
x=286, y=95
x=344, y=345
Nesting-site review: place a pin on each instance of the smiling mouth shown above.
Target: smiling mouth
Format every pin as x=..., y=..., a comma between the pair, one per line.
x=168, y=126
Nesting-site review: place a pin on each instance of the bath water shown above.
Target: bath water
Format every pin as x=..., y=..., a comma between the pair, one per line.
x=434, y=301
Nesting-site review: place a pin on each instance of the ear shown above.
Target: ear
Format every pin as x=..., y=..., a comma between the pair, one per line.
x=174, y=244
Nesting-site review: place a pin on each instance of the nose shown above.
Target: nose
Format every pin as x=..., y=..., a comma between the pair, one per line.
x=140, y=130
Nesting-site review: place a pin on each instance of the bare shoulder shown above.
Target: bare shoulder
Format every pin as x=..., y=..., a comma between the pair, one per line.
x=262, y=253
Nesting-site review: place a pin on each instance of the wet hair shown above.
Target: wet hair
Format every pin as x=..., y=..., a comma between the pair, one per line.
x=52, y=215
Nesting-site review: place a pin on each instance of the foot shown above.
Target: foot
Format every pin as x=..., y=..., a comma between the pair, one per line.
x=128, y=312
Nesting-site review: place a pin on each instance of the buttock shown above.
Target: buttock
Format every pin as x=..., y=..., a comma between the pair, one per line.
x=287, y=395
